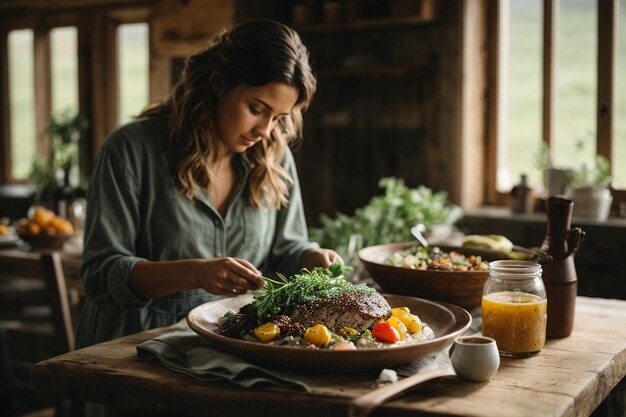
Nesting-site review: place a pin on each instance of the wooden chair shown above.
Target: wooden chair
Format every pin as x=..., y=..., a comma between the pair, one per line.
x=36, y=314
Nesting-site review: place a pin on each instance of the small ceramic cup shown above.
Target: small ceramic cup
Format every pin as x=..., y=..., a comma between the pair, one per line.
x=475, y=358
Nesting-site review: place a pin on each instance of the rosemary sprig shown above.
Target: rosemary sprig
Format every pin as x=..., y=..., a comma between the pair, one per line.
x=280, y=297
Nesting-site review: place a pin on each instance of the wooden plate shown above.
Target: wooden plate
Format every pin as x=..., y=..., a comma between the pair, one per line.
x=447, y=321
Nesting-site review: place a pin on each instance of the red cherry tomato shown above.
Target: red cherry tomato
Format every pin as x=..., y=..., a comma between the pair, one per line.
x=385, y=332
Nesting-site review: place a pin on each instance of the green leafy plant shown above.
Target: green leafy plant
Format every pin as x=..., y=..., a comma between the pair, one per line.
x=65, y=132
x=596, y=173
x=387, y=218
x=543, y=159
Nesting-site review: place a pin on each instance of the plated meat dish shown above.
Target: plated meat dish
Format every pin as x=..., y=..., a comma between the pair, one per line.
x=354, y=309
x=320, y=309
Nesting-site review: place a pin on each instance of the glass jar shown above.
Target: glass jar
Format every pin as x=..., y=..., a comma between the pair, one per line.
x=514, y=307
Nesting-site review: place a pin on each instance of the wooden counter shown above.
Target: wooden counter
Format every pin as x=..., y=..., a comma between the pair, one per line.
x=570, y=377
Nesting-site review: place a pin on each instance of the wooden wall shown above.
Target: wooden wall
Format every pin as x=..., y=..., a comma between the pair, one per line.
x=397, y=97
x=401, y=92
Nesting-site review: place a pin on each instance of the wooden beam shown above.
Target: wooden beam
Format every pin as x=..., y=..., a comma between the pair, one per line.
x=172, y=39
x=497, y=44
x=550, y=53
x=43, y=90
x=85, y=91
x=52, y=5
x=470, y=156
x=99, y=80
x=5, y=116
x=160, y=75
x=607, y=41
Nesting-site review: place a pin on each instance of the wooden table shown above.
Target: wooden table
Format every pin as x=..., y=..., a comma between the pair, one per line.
x=570, y=377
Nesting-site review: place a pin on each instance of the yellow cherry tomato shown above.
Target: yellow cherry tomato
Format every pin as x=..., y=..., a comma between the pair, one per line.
x=414, y=325
x=400, y=311
x=267, y=332
x=317, y=335
x=411, y=321
x=399, y=326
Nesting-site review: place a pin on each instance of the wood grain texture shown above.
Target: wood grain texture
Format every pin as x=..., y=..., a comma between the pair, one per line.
x=570, y=377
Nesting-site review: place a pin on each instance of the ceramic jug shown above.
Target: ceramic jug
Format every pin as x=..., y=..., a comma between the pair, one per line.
x=559, y=274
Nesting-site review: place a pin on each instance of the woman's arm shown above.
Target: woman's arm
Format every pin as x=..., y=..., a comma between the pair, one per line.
x=218, y=276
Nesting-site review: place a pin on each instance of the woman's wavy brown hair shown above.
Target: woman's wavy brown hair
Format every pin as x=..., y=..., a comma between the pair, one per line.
x=252, y=54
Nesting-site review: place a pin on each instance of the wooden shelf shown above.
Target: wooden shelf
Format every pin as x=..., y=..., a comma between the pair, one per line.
x=361, y=24
x=389, y=71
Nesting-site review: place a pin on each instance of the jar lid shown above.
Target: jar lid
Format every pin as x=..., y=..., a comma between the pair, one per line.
x=515, y=269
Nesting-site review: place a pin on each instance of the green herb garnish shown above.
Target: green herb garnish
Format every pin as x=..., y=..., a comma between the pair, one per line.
x=305, y=287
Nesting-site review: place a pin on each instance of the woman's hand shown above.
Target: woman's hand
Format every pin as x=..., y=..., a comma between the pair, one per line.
x=319, y=257
x=229, y=276
x=221, y=276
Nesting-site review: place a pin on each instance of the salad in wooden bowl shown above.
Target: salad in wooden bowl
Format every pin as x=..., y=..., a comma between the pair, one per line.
x=451, y=274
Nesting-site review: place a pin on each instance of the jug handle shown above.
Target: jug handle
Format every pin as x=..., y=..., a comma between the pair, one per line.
x=574, y=239
x=578, y=234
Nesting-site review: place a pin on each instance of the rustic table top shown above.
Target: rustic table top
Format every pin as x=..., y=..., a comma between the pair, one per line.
x=570, y=377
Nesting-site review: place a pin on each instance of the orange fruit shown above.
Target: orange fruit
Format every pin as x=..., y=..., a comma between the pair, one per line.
x=61, y=225
x=33, y=228
x=42, y=216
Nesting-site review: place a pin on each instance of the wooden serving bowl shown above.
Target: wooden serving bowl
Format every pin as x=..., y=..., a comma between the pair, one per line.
x=44, y=240
x=462, y=288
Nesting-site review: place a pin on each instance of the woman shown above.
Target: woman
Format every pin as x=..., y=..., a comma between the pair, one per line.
x=199, y=196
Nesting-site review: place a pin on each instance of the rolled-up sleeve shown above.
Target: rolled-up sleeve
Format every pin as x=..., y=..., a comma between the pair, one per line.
x=111, y=230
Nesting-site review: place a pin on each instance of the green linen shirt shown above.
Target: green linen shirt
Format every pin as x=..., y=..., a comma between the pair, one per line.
x=135, y=212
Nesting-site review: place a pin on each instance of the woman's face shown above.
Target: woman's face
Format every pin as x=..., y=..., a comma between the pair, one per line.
x=247, y=115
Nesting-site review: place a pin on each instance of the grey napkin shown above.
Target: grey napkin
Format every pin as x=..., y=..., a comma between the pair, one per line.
x=186, y=352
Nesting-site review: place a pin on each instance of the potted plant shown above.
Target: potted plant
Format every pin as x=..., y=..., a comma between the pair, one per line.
x=554, y=179
x=589, y=189
x=52, y=177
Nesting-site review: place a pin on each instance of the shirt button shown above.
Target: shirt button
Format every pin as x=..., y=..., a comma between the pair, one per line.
x=217, y=223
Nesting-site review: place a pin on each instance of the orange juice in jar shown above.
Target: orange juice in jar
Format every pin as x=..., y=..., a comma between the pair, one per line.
x=514, y=308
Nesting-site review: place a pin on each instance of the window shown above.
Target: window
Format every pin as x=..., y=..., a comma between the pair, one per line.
x=574, y=140
x=549, y=84
x=521, y=107
x=61, y=63
x=23, y=142
x=133, y=69
x=64, y=70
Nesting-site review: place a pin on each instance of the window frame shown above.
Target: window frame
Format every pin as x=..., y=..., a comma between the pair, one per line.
x=606, y=81
x=97, y=72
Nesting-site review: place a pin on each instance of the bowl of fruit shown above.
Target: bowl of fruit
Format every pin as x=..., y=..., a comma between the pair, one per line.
x=44, y=228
